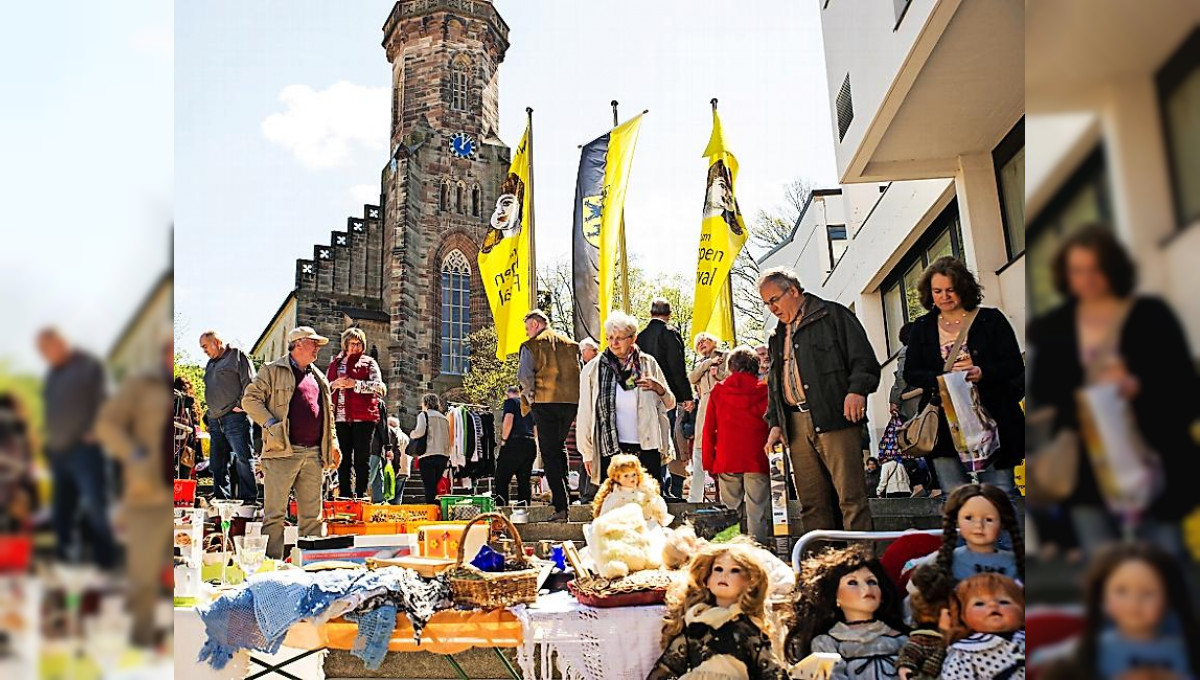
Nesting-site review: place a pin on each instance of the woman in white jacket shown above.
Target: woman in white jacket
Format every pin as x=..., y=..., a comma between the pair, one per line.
x=893, y=480
x=623, y=402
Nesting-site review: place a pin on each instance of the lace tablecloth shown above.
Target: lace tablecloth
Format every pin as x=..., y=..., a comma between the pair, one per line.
x=586, y=643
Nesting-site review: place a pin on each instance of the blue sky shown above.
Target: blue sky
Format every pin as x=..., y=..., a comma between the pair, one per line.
x=87, y=171
x=282, y=120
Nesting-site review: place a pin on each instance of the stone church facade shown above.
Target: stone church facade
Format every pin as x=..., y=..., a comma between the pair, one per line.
x=405, y=271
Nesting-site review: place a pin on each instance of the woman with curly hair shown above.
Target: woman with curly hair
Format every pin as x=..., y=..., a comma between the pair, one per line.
x=716, y=625
x=847, y=605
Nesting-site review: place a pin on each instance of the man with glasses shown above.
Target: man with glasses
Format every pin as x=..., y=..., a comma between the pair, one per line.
x=290, y=400
x=822, y=368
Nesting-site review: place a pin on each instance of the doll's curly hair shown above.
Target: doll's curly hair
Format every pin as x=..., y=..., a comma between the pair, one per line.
x=932, y=595
x=987, y=583
x=1008, y=522
x=621, y=463
x=693, y=590
x=815, y=609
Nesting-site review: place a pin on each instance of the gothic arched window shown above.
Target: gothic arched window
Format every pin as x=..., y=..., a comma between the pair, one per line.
x=460, y=82
x=456, y=308
x=458, y=197
x=444, y=197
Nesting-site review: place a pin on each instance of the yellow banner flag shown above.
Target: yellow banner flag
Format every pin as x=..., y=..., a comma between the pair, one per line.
x=506, y=254
x=722, y=235
x=617, y=161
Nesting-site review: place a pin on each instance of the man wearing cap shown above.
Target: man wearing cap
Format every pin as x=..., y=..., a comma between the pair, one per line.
x=290, y=400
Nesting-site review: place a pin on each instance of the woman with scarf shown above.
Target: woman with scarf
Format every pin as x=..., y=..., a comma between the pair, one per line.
x=623, y=404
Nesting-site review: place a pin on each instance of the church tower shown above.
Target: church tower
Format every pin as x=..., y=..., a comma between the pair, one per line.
x=439, y=187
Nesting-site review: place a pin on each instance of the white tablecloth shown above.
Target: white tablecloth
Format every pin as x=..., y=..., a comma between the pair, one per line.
x=190, y=637
x=587, y=643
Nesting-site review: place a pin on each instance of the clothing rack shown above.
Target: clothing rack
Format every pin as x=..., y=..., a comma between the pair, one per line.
x=480, y=407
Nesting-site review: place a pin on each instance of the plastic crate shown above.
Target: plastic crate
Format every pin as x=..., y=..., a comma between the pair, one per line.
x=364, y=528
x=342, y=509
x=481, y=504
x=383, y=512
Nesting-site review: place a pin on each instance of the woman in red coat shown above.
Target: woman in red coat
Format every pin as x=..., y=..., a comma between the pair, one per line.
x=734, y=438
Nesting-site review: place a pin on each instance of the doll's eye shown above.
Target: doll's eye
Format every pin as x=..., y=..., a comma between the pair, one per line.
x=735, y=570
x=872, y=582
x=852, y=582
x=718, y=570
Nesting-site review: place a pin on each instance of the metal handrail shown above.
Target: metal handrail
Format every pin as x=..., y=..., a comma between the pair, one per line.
x=831, y=535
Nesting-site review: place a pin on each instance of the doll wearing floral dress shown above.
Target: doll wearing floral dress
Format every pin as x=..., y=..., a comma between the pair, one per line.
x=848, y=608
x=628, y=483
x=716, y=625
x=987, y=635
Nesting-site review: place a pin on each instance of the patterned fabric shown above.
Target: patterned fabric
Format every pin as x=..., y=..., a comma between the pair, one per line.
x=868, y=650
x=718, y=643
x=889, y=445
x=628, y=370
x=923, y=654
x=607, y=440
x=986, y=656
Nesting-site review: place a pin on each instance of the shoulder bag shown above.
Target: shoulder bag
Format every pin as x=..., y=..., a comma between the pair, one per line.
x=417, y=445
x=918, y=437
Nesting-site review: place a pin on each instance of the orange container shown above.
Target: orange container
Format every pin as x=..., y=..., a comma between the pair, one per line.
x=441, y=539
x=364, y=528
x=343, y=509
x=384, y=512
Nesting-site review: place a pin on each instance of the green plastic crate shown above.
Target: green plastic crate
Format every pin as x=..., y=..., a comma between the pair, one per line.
x=481, y=504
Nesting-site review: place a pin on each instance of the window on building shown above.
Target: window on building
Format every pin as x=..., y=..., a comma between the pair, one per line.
x=845, y=108
x=901, y=7
x=460, y=69
x=901, y=299
x=837, y=243
x=475, y=201
x=456, y=307
x=1179, y=92
x=1009, y=159
x=458, y=198
x=1083, y=199
x=444, y=197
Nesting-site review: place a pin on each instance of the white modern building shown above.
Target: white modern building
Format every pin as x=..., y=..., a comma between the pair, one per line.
x=1114, y=126
x=928, y=105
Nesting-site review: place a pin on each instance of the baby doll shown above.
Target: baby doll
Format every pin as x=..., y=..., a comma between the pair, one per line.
x=716, y=624
x=977, y=513
x=847, y=606
x=922, y=656
x=1139, y=619
x=628, y=483
x=987, y=630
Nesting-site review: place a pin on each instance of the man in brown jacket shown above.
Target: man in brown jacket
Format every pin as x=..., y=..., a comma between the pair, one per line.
x=548, y=370
x=290, y=400
x=136, y=428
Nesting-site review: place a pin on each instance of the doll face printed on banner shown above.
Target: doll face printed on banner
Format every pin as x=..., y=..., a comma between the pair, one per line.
x=979, y=524
x=1135, y=599
x=993, y=612
x=628, y=479
x=859, y=595
x=727, y=581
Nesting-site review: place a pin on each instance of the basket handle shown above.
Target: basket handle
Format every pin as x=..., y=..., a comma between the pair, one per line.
x=508, y=525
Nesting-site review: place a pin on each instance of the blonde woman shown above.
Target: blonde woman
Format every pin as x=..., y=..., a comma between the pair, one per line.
x=709, y=370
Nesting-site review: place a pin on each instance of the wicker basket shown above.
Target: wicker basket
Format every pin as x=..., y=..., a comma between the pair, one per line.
x=471, y=587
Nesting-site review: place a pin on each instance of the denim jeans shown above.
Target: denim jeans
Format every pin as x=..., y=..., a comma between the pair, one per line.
x=1096, y=528
x=230, y=452
x=78, y=476
x=375, y=478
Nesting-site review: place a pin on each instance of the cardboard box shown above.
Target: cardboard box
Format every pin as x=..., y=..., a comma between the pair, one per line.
x=441, y=539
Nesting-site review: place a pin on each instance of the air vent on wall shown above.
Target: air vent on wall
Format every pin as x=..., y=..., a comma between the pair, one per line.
x=845, y=108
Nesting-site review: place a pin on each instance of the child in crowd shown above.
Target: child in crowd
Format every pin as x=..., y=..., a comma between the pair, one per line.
x=716, y=625
x=987, y=630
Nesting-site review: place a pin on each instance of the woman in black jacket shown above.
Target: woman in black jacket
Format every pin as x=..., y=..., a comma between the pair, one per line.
x=990, y=357
x=1152, y=367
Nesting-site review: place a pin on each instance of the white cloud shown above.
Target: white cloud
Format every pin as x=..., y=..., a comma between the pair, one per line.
x=322, y=128
x=363, y=194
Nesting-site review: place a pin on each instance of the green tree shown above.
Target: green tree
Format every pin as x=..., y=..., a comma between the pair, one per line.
x=769, y=229
x=487, y=377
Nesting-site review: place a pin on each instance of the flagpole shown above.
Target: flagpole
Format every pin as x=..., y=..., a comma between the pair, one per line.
x=625, y=306
x=533, y=295
x=728, y=279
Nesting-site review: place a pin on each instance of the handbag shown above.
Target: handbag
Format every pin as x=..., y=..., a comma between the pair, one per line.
x=974, y=432
x=418, y=445
x=918, y=437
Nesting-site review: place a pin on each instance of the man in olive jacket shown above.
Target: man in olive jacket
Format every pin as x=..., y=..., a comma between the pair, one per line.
x=822, y=369
x=290, y=400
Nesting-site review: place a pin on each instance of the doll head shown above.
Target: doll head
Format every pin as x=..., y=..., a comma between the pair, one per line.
x=931, y=597
x=720, y=574
x=835, y=585
x=624, y=471
x=1135, y=588
x=978, y=513
x=986, y=603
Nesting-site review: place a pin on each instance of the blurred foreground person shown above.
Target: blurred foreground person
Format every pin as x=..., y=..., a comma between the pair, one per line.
x=73, y=392
x=137, y=429
x=1104, y=334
